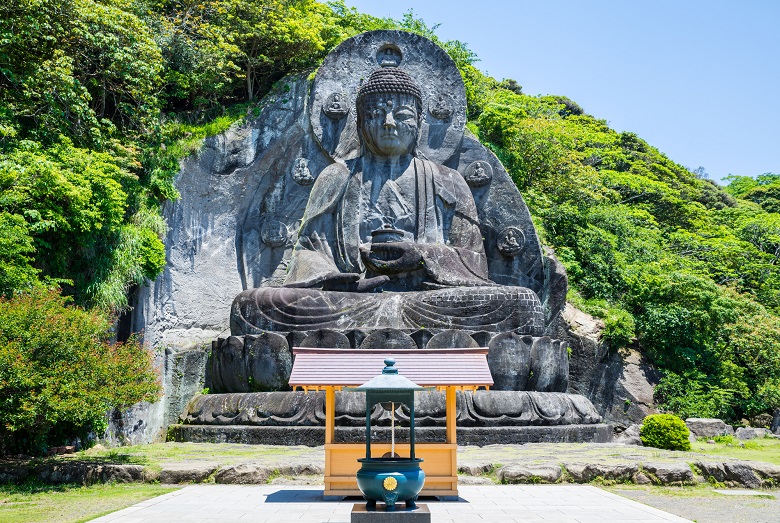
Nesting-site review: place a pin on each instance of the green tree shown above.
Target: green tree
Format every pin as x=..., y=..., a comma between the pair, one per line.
x=59, y=374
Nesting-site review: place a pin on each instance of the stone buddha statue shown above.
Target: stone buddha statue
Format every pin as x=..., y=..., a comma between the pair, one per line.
x=389, y=239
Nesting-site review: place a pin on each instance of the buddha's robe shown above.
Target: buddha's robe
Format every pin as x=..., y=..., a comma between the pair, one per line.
x=434, y=208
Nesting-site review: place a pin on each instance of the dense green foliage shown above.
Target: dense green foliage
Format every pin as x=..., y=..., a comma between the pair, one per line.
x=665, y=431
x=59, y=374
x=685, y=269
x=99, y=100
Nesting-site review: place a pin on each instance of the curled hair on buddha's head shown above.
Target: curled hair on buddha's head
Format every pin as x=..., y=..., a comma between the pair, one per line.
x=390, y=80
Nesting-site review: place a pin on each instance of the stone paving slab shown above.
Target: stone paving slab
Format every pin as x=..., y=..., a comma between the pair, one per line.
x=304, y=504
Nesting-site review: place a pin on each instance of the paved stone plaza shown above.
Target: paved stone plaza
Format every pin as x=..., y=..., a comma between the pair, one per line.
x=277, y=504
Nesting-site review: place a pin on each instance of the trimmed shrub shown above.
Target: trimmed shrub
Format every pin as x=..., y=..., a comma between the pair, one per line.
x=665, y=431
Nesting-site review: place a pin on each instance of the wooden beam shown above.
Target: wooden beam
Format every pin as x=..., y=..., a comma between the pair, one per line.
x=330, y=415
x=452, y=415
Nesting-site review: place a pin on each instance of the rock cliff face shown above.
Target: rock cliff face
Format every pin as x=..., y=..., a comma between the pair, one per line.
x=619, y=383
x=234, y=228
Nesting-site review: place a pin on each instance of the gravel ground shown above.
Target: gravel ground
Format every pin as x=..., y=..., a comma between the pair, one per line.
x=703, y=505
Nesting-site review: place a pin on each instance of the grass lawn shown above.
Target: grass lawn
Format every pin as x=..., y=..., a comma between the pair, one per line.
x=33, y=502
x=156, y=455
x=761, y=449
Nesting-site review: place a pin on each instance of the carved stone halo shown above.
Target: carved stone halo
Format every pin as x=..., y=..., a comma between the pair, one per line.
x=301, y=174
x=510, y=241
x=478, y=173
x=441, y=108
x=336, y=106
x=348, y=66
x=274, y=233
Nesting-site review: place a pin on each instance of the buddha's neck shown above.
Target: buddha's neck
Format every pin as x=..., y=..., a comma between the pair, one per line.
x=389, y=167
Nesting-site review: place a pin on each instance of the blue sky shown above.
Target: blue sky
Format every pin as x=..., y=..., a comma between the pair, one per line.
x=699, y=80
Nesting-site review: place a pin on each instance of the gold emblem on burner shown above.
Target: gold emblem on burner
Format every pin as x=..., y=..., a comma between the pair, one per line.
x=390, y=483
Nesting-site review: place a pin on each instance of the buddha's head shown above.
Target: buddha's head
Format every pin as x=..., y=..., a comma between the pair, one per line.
x=389, y=109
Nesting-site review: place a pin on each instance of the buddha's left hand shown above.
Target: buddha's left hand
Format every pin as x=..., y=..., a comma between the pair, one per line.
x=392, y=257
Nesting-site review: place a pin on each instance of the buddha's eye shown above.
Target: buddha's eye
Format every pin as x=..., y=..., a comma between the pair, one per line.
x=404, y=115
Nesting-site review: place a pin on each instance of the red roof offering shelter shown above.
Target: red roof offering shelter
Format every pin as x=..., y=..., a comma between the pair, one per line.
x=466, y=368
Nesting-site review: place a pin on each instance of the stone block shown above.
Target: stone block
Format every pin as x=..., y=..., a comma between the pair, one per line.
x=766, y=471
x=630, y=436
x=362, y=514
x=326, y=339
x=250, y=363
x=451, y=339
x=388, y=339
x=549, y=365
x=745, y=433
x=742, y=474
x=549, y=473
x=670, y=473
x=509, y=359
x=174, y=473
x=243, y=474
x=585, y=473
x=708, y=427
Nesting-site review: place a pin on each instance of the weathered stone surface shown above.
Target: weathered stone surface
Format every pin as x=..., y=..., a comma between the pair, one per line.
x=509, y=359
x=708, y=427
x=174, y=473
x=14, y=471
x=483, y=408
x=746, y=433
x=585, y=473
x=550, y=473
x=640, y=478
x=184, y=372
x=315, y=436
x=185, y=376
x=549, y=366
x=243, y=474
x=326, y=338
x=489, y=308
x=474, y=469
x=630, y=436
x=775, y=427
x=766, y=471
x=388, y=339
x=89, y=473
x=670, y=473
x=619, y=382
x=481, y=436
x=261, y=362
x=555, y=288
x=449, y=339
x=731, y=473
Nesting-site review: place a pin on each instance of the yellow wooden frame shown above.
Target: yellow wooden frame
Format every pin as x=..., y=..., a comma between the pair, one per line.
x=440, y=459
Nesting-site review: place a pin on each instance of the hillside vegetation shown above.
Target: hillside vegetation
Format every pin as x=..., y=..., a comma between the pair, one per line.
x=100, y=99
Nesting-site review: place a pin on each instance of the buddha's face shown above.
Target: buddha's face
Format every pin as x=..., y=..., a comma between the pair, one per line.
x=389, y=123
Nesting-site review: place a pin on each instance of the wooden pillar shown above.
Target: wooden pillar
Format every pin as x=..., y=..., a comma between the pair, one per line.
x=330, y=415
x=452, y=415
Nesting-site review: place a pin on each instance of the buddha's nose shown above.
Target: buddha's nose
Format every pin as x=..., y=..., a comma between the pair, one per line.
x=389, y=120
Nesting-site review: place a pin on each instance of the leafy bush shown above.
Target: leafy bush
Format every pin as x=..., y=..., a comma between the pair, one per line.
x=59, y=374
x=665, y=431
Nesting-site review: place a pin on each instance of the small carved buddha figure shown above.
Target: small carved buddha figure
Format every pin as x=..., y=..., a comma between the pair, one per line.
x=393, y=221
